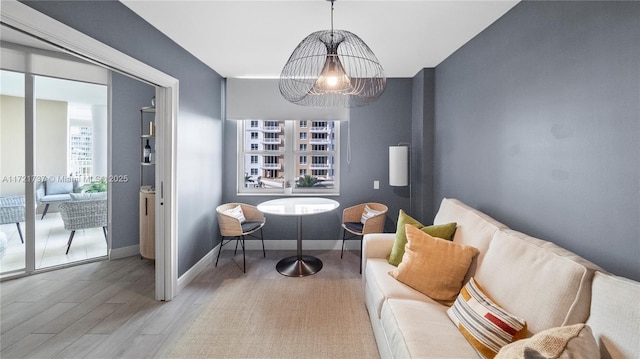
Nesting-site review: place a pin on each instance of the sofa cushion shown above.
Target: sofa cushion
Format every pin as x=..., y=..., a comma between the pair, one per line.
x=88, y=196
x=433, y=266
x=485, y=325
x=615, y=316
x=534, y=282
x=56, y=198
x=444, y=231
x=55, y=187
x=574, y=341
x=380, y=286
x=580, y=310
x=474, y=229
x=422, y=330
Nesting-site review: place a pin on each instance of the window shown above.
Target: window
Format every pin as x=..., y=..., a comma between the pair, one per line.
x=279, y=153
x=81, y=150
x=81, y=135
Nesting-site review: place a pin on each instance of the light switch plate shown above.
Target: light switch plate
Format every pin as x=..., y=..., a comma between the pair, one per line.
x=376, y=184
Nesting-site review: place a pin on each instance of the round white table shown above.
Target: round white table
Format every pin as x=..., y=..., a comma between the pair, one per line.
x=298, y=265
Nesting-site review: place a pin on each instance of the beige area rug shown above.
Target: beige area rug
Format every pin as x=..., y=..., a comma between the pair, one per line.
x=283, y=317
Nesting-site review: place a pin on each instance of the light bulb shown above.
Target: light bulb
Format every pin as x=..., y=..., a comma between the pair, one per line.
x=333, y=77
x=332, y=81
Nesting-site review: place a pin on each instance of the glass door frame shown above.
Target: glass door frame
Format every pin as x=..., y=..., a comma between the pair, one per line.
x=29, y=21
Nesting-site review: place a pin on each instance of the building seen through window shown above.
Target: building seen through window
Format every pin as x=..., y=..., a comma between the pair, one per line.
x=279, y=154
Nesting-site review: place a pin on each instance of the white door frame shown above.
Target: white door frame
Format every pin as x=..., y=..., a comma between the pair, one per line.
x=30, y=21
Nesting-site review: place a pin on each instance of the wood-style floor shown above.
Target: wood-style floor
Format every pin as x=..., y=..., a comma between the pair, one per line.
x=107, y=310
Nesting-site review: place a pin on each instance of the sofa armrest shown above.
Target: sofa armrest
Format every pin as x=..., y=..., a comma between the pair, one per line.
x=377, y=245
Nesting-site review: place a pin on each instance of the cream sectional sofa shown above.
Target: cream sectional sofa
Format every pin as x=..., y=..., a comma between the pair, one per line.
x=534, y=279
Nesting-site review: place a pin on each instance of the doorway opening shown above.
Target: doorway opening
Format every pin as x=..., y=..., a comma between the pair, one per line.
x=69, y=146
x=42, y=28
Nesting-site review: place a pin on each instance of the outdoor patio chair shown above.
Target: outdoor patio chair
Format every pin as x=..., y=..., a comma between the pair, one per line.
x=12, y=211
x=82, y=215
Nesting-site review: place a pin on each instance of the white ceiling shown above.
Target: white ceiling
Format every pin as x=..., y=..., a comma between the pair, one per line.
x=254, y=39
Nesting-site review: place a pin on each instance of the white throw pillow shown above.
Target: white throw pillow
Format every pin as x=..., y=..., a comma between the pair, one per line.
x=368, y=213
x=237, y=213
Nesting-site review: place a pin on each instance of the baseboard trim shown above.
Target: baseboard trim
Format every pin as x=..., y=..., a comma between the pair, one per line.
x=117, y=253
x=189, y=275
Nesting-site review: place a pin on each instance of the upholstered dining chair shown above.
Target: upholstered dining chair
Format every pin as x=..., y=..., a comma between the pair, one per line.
x=236, y=222
x=362, y=219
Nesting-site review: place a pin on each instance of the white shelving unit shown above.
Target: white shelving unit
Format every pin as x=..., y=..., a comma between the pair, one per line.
x=147, y=184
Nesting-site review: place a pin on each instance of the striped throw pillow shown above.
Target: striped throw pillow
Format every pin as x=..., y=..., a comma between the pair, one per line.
x=485, y=325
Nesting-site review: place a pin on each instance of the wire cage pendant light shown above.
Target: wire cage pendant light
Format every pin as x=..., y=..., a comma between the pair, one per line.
x=332, y=69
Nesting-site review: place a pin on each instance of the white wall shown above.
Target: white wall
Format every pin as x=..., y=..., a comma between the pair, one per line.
x=51, y=138
x=11, y=144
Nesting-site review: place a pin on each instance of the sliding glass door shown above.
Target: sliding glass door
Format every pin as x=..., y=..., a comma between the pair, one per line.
x=12, y=173
x=53, y=172
x=71, y=165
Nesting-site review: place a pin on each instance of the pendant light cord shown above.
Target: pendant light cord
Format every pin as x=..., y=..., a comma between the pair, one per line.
x=332, y=1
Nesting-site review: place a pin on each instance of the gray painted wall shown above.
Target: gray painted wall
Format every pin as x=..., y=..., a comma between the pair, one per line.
x=422, y=140
x=127, y=97
x=373, y=129
x=538, y=125
x=199, y=124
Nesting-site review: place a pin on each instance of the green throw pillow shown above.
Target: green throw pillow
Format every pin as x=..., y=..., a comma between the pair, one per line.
x=444, y=231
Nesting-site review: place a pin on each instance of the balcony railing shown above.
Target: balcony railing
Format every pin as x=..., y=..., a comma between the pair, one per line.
x=320, y=140
x=321, y=129
x=319, y=166
x=272, y=129
x=272, y=140
x=271, y=166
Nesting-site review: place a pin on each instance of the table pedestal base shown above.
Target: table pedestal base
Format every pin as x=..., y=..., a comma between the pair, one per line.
x=295, y=266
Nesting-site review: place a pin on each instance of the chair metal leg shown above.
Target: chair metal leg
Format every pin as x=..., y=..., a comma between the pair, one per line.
x=361, y=240
x=219, y=250
x=104, y=230
x=44, y=212
x=70, y=240
x=264, y=253
x=344, y=238
x=20, y=232
x=244, y=260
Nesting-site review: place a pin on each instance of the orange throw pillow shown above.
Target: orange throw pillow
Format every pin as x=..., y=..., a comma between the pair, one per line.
x=433, y=266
